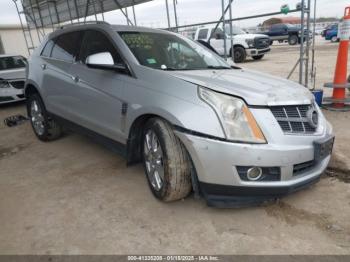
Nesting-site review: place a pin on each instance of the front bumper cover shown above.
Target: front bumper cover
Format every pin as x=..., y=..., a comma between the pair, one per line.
x=222, y=196
x=220, y=184
x=255, y=52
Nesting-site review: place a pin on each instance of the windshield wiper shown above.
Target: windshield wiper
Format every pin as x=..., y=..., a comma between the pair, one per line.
x=169, y=69
x=218, y=67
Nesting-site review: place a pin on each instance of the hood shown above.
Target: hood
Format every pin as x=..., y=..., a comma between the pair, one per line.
x=249, y=36
x=254, y=87
x=18, y=73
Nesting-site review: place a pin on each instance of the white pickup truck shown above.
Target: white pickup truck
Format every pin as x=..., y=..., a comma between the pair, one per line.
x=244, y=45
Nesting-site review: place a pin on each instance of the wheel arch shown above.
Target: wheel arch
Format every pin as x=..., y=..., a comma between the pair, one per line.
x=134, y=141
x=134, y=145
x=31, y=88
x=234, y=46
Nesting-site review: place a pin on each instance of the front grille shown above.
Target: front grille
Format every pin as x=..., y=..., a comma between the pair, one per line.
x=293, y=119
x=303, y=167
x=17, y=84
x=262, y=42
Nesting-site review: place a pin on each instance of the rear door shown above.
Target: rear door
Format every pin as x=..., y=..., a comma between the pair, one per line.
x=57, y=59
x=96, y=96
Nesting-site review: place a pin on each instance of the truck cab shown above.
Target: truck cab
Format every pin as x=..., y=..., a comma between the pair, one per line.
x=244, y=45
x=286, y=32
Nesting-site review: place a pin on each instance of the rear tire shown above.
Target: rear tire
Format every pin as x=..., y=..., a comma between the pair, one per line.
x=44, y=127
x=168, y=167
x=258, y=57
x=239, y=54
x=293, y=40
x=334, y=39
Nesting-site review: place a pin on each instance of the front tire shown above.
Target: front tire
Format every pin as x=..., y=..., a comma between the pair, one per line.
x=44, y=127
x=258, y=57
x=239, y=54
x=293, y=40
x=166, y=162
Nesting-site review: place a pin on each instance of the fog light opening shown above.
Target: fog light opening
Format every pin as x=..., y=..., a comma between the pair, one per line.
x=254, y=173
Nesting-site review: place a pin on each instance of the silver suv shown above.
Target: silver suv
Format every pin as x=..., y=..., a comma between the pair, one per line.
x=235, y=136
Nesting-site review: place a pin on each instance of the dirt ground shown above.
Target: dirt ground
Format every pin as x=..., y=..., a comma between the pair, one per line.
x=73, y=196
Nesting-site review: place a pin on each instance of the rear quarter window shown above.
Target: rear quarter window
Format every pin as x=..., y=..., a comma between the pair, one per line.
x=47, y=49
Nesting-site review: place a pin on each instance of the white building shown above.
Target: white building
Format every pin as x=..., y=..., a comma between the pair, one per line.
x=12, y=40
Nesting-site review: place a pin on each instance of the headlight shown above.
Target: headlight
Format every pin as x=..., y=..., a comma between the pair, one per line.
x=4, y=84
x=250, y=42
x=237, y=121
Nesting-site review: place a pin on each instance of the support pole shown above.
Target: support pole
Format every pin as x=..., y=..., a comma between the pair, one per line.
x=223, y=27
x=313, y=71
x=307, y=52
x=301, y=61
x=70, y=12
x=127, y=15
x=175, y=14
x=167, y=12
x=95, y=11
x=133, y=12
x=76, y=10
x=40, y=16
x=50, y=15
x=231, y=30
x=102, y=10
x=86, y=10
x=121, y=10
x=222, y=18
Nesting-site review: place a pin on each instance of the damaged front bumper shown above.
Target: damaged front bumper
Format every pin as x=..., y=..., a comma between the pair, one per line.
x=288, y=162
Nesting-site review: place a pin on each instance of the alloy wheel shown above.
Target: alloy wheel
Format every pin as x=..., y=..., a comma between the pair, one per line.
x=153, y=157
x=37, y=118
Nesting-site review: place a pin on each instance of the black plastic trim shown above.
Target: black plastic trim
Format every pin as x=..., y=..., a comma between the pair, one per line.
x=223, y=196
x=109, y=143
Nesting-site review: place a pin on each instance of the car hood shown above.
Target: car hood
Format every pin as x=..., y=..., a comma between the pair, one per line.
x=19, y=73
x=249, y=36
x=254, y=87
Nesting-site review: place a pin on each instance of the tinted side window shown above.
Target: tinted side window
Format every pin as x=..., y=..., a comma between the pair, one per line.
x=96, y=42
x=47, y=49
x=276, y=28
x=202, y=34
x=67, y=46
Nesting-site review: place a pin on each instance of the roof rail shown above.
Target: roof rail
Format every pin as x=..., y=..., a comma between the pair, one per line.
x=84, y=23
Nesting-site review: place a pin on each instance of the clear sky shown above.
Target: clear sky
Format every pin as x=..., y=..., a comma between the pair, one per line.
x=191, y=11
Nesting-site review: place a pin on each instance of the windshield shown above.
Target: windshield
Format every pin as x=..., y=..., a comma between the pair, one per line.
x=235, y=30
x=11, y=62
x=171, y=52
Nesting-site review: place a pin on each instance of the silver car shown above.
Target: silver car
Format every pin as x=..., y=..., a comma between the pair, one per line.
x=234, y=136
x=12, y=78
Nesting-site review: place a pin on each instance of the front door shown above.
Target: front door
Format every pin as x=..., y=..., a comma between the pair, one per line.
x=98, y=104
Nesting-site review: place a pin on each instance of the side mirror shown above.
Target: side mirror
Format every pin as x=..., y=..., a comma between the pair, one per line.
x=219, y=36
x=104, y=61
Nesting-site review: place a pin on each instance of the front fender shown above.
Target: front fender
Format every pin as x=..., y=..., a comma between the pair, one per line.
x=194, y=117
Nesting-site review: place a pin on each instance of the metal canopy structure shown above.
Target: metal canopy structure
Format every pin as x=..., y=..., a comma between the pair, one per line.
x=45, y=13
x=40, y=15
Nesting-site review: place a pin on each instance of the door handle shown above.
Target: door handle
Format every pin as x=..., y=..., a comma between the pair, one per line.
x=76, y=79
x=43, y=66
